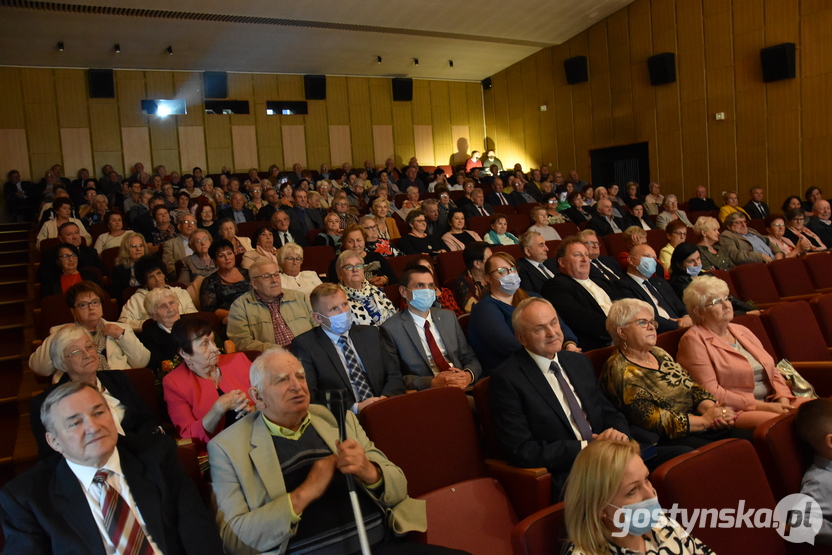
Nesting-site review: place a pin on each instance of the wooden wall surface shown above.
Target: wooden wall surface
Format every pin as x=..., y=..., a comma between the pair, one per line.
x=778, y=135
x=47, y=117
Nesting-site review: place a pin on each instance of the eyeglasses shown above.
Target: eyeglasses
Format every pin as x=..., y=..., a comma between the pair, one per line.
x=778, y=225
x=419, y=221
x=200, y=241
x=82, y=353
x=351, y=267
x=268, y=277
x=643, y=323
x=718, y=301
x=139, y=246
x=505, y=271
x=91, y=304
x=680, y=233
x=592, y=243
x=66, y=256
x=293, y=259
x=369, y=227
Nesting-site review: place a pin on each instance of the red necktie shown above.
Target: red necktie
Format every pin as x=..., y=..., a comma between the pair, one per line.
x=435, y=352
x=503, y=199
x=122, y=526
x=482, y=211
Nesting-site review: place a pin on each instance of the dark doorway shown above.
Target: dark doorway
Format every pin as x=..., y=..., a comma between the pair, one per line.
x=621, y=164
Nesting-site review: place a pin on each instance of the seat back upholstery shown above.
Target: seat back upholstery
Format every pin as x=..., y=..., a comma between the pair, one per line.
x=518, y=223
x=795, y=332
x=504, y=209
x=599, y=357
x=657, y=238
x=732, y=472
x=565, y=229
x=397, y=263
x=493, y=447
x=669, y=341
x=822, y=307
x=449, y=265
x=791, y=277
x=754, y=283
x=819, y=267
x=615, y=244
x=317, y=258
x=726, y=277
x=430, y=435
x=479, y=224
x=516, y=251
x=755, y=324
x=542, y=533
x=143, y=381
x=785, y=457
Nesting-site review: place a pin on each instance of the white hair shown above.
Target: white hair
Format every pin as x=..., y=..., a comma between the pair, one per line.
x=61, y=340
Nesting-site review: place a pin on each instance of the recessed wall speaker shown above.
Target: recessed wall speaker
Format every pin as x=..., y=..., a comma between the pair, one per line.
x=216, y=84
x=576, y=70
x=403, y=89
x=662, y=68
x=101, y=83
x=486, y=83
x=778, y=62
x=314, y=87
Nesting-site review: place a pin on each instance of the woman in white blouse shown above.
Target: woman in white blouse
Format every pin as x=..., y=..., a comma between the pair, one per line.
x=290, y=259
x=115, y=232
x=540, y=217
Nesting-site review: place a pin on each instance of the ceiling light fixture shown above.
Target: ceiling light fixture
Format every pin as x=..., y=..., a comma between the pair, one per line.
x=61, y=45
x=118, y=48
x=451, y=63
x=170, y=50
x=416, y=61
x=379, y=59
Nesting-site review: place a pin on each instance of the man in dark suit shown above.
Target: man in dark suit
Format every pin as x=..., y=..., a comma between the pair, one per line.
x=477, y=206
x=497, y=196
x=583, y=302
x=428, y=342
x=701, y=202
x=302, y=219
x=641, y=283
x=437, y=223
x=340, y=355
x=61, y=505
x=272, y=197
x=532, y=275
x=411, y=179
x=545, y=402
x=604, y=223
x=601, y=267
x=238, y=211
x=821, y=222
x=21, y=198
x=756, y=208
x=279, y=225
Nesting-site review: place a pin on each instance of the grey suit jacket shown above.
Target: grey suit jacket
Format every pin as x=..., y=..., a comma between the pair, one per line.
x=173, y=250
x=664, y=218
x=402, y=341
x=253, y=506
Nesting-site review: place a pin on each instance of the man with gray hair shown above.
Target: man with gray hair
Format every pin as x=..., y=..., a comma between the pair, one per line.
x=821, y=222
x=436, y=221
x=106, y=493
x=238, y=211
x=744, y=245
x=279, y=474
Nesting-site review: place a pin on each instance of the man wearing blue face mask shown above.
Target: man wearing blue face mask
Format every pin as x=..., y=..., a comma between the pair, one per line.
x=640, y=283
x=340, y=355
x=427, y=341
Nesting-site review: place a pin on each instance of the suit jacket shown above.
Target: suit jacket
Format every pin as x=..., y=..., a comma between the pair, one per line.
x=265, y=214
x=610, y=263
x=531, y=278
x=602, y=227
x=470, y=210
x=629, y=289
x=229, y=213
x=161, y=344
x=739, y=249
x=137, y=417
x=630, y=220
x=403, y=343
x=492, y=199
x=173, y=250
x=299, y=237
x=313, y=221
x=324, y=369
x=664, y=218
x=822, y=230
x=254, y=509
x=45, y=510
x=579, y=309
x=530, y=421
x=250, y=324
x=702, y=205
x=725, y=372
x=755, y=212
x=189, y=397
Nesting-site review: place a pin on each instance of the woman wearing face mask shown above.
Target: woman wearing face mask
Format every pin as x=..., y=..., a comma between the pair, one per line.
x=607, y=477
x=490, y=331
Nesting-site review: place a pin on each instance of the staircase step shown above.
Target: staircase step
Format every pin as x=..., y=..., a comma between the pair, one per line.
x=14, y=256
x=14, y=235
x=14, y=272
x=13, y=292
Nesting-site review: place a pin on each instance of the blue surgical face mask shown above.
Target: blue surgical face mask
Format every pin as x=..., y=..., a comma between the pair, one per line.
x=694, y=270
x=509, y=283
x=638, y=518
x=339, y=324
x=422, y=299
x=647, y=266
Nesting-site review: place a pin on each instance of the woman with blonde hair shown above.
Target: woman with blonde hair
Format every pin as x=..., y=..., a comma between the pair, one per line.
x=323, y=188
x=609, y=476
x=132, y=248
x=387, y=228
x=707, y=229
x=731, y=205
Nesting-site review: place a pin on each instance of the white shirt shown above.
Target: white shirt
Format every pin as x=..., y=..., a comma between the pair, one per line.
x=116, y=407
x=335, y=339
x=420, y=329
x=545, y=366
x=92, y=492
x=541, y=268
x=661, y=312
x=597, y=293
x=185, y=240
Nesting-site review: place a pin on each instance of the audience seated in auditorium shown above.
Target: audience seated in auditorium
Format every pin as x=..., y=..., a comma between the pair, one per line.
x=238, y=210
x=797, y=230
x=497, y=197
x=387, y=228
x=632, y=236
x=302, y=218
x=601, y=193
x=207, y=219
x=671, y=213
x=163, y=228
x=63, y=210
x=604, y=223
x=638, y=217
x=677, y=233
x=428, y=342
x=179, y=247
x=411, y=179
x=617, y=202
x=654, y=200
x=743, y=245
x=257, y=202
x=714, y=257
x=457, y=236
x=132, y=248
x=776, y=228
x=75, y=356
x=290, y=260
x=728, y=360
x=377, y=271
x=631, y=194
x=267, y=315
x=576, y=212
x=437, y=220
x=228, y=231
x=477, y=206
x=369, y=304
x=341, y=207
x=331, y=236
x=221, y=288
x=65, y=271
x=273, y=203
x=730, y=206
x=98, y=208
x=418, y=241
x=183, y=206
x=469, y=286
x=701, y=202
x=551, y=204
x=821, y=222
x=150, y=274
x=755, y=207
x=600, y=266
x=535, y=268
x=814, y=426
x=200, y=264
x=582, y=302
x=373, y=242
x=21, y=197
x=114, y=234
x=540, y=224
x=812, y=195
x=498, y=234
x=162, y=307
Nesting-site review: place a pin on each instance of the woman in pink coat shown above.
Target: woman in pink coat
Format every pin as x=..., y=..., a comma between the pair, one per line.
x=728, y=360
x=208, y=391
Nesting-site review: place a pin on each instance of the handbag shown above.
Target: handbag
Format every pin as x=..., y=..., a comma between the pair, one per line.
x=797, y=383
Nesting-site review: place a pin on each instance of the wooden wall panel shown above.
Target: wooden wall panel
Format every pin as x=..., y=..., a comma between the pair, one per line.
x=71, y=94
x=136, y=147
x=381, y=102
x=476, y=116
x=105, y=128
x=340, y=145
x=192, y=147
x=461, y=137
x=163, y=133
x=317, y=135
x=15, y=154
x=244, y=139
x=423, y=141
x=12, y=115
x=188, y=86
x=77, y=150
x=130, y=91
x=294, y=145
x=383, y=146
x=42, y=128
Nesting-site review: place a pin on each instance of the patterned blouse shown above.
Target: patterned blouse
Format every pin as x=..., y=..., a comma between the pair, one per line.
x=159, y=236
x=217, y=294
x=660, y=400
x=667, y=538
x=369, y=305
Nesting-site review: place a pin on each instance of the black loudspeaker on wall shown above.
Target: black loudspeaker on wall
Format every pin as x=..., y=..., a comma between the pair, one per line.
x=778, y=62
x=403, y=89
x=486, y=83
x=216, y=84
x=662, y=68
x=101, y=83
x=314, y=87
x=576, y=70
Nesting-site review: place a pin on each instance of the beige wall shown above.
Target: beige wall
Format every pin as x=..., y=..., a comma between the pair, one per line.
x=777, y=134
x=47, y=117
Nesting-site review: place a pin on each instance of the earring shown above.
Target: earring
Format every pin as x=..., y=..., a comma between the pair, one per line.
x=624, y=346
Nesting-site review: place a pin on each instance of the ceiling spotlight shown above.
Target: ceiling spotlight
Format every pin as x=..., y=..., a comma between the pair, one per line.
x=379, y=59
x=61, y=45
x=451, y=63
x=170, y=50
x=118, y=48
x=416, y=61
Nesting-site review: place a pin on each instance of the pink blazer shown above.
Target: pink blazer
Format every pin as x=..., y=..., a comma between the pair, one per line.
x=189, y=397
x=724, y=372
